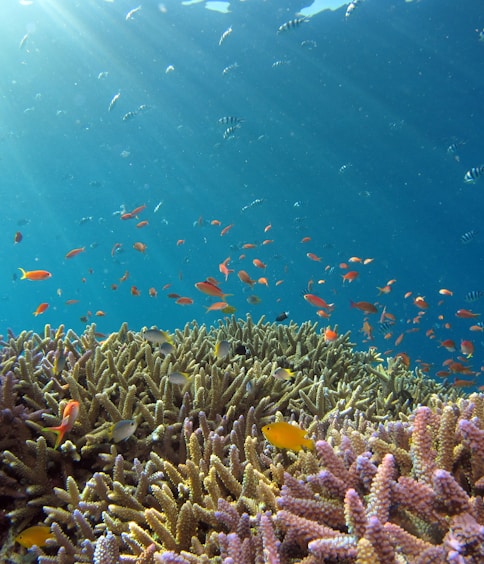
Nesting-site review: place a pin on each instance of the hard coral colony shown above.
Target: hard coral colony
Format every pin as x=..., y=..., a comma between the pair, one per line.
x=196, y=482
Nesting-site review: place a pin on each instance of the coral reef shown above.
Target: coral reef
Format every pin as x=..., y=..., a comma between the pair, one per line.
x=396, y=475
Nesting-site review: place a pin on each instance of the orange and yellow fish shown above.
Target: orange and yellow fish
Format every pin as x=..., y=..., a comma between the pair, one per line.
x=40, y=309
x=69, y=416
x=34, y=536
x=285, y=435
x=34, y=274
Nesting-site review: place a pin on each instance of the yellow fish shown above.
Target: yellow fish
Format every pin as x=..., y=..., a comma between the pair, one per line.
x=36, y=535
x=285, y=435
x=222, y=349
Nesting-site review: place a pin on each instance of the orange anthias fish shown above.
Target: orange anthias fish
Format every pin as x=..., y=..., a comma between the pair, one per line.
x=36, y=535
x=314, y=257
x=75, y=252
x=69, y=416
x=330, y=335
x=245, y=278
x=184, y=301
x=40, y=309
x=420, y=302
x=316, y=301
x=350, y=276
x=285, y=435
x=467, y=348
x=466, y=314
x=217, y=306
x=224, y=269
x=210, y=289
x=258, y=263
x=141, y=247
x=366, y=307
x=34, y=274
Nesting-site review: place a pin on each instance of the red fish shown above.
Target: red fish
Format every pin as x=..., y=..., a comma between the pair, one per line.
x=182, y=300
x=466, y=314
x=135, y=291
x=420, y=302
x=314, y=257
x=75, y=252
x=210, y=289
x=245, y=278
x=69, y=416
x=366, y=307
x=258, y=263
x=217, y=306
x=224, y=269
x=448, y=344
x=40, y=309
x=467, y=348
x=226, y=229
x=330, y=335
x=17, y=237
x=316, y=301
x=141, y=247
x=350, y=276
x=137, y=210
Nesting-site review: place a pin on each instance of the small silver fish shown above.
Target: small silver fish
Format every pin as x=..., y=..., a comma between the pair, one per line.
x=166, y=348
x=230, y=68
x=179, y=378
x=23, y=41
x=114, y=99
x=224, y=35
x=122, y=430
x=132, y=12
x=280, y=63
x=157, y=336
x=283, y=373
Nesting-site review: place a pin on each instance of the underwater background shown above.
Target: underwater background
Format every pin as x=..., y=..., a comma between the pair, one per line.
x=351, y=133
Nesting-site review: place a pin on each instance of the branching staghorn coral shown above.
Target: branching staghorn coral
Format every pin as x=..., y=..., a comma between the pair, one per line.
x=198, y=443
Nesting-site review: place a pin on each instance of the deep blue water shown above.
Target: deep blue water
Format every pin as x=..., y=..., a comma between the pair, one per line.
x=384, y=92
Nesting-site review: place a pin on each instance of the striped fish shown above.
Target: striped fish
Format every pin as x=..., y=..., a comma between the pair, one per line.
x=473, y=174
x=468, y=236
x=291, y=24
x=473, y=296
x=230, y=120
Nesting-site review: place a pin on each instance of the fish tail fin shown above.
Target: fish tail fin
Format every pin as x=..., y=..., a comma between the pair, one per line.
x=59, y=431
x=308, y=443
x=24, y=274
x=352, y=303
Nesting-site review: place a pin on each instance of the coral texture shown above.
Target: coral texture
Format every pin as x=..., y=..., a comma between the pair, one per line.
x=387, y=482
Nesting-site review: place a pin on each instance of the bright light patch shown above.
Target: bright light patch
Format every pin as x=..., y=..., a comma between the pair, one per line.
x=321, y=5
x=222, y=7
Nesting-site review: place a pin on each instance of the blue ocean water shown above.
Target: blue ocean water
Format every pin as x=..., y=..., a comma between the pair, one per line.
x=347, y=122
